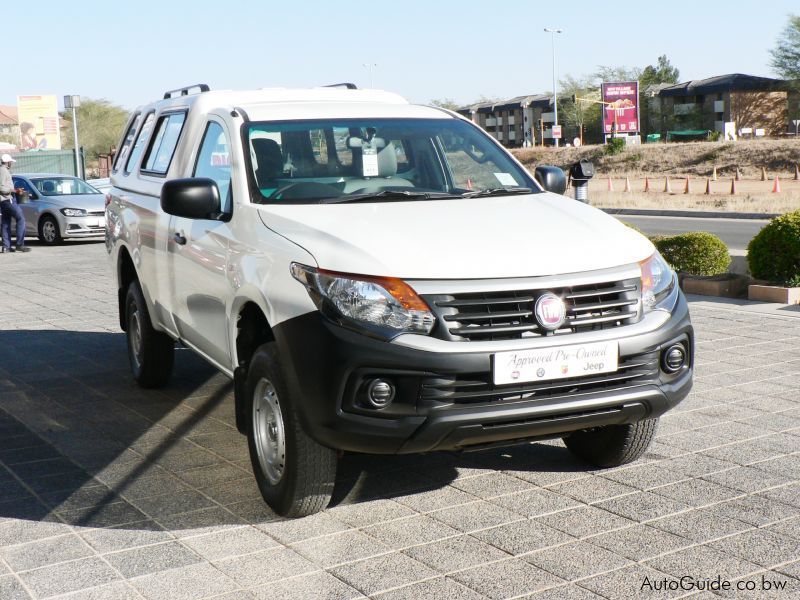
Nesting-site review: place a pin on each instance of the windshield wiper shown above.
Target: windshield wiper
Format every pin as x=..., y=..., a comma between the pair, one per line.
x=504, y=191
x=387, y=195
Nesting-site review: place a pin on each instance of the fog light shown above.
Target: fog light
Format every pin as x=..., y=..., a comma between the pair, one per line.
x=673, y=359
x=380, y=393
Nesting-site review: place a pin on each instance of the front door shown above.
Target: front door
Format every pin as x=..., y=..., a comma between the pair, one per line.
x=198, y=252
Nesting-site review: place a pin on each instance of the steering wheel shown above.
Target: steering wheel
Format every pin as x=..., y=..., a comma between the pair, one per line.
x=301, y=190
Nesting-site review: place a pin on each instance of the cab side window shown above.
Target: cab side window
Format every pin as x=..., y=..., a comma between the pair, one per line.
x=168, y=132
x=141, y=140
x=127, y=142
x=214, y=162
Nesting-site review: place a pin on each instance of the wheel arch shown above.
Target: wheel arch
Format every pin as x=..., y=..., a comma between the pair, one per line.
x=250, y=329
x=48, y=213
x=126, y=273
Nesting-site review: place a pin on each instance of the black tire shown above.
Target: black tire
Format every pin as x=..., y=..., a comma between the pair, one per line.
x=294, y=473
x=612, y=445
x=151, y=353
x=49, y=233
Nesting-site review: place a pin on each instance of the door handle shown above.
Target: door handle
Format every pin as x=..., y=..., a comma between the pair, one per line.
x=179, y=238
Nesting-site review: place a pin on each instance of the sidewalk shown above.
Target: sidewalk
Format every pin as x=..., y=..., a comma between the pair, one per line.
x=109, y=491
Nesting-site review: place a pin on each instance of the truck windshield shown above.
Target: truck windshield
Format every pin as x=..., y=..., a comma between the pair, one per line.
x=378, y=160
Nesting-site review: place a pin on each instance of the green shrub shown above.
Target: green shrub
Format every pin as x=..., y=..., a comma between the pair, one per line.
x=774, y=253
x=614, y=146
x=695, y=253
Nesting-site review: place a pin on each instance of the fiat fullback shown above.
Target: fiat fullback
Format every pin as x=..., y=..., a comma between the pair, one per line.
x=382, y=277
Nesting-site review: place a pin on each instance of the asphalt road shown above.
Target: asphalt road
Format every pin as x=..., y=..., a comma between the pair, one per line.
x=736, y=233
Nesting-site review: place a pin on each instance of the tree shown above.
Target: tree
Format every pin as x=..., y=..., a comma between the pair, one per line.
x=604, y=73
x=661, y=72
x=100, y=125
x=786, y=53
x=447, y=103
x=580, y=114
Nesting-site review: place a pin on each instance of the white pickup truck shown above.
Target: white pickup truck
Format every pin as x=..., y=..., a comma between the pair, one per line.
x=383, y=277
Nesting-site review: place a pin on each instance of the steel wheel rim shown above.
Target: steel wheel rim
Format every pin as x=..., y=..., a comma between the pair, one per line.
x=135, y=336
x=268, y=431
x=49, y=231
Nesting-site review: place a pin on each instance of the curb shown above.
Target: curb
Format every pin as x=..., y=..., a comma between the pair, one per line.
x=698, y=214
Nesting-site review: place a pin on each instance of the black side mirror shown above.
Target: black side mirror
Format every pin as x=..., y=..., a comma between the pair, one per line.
x=193, y=198
x=551, y=179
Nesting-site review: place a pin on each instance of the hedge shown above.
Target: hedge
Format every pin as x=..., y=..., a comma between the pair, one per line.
x=774, y=253
x=695, y=253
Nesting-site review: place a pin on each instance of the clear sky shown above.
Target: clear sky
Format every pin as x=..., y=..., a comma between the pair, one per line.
x=130, y=52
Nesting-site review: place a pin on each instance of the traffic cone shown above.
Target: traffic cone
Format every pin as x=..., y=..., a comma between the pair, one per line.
x=714, y=174
x=646, y=184
x=708, y=186
x=687, y=189
x=667, y=187
x=776, y=187
x=763, y=174
x=627, y=186
x=738, y=175
x=797, y=172
x=733, y=186
x=610, y=185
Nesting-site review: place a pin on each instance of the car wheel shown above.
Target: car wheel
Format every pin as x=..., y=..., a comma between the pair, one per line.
x=151, y=352
x=612, y=445
x=294, y=473
x=49, y=233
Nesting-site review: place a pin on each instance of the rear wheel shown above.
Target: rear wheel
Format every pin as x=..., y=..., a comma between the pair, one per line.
x=294, y=473
x=612, y=445
x=49, y=232
x=151, y=352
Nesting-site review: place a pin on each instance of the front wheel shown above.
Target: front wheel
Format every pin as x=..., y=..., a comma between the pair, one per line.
x=612, y=445
x=294, y=473
x=49, y=232
x=151, y=352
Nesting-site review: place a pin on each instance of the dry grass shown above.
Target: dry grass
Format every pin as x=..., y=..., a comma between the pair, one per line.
x=752, y=195
x=778, y=157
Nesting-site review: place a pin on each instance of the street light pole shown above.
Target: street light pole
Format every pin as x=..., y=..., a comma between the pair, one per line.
x=553, y=33
x=370, y=67
x=74, y=102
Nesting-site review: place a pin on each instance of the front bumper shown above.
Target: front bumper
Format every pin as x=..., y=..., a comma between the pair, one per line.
x=83, y=227
x=325, y=367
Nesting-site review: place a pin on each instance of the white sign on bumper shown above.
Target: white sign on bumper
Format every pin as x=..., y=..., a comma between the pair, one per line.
x=560, y=362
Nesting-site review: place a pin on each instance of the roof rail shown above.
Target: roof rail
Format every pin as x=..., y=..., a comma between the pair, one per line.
x=184, y=91
x=349, y=86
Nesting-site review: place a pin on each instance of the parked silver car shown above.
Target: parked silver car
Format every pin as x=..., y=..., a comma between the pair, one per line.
x=57, y=207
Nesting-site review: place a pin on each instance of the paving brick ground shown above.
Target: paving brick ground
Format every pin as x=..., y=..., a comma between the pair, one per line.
x=109, y=491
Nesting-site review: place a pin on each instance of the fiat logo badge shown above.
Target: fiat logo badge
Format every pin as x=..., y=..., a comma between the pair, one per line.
x=550, y=311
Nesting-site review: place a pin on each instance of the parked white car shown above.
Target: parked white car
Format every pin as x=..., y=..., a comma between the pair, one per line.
x=382, y=277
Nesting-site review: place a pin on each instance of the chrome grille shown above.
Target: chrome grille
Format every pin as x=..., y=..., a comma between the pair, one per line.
x=508, y=315
x=477, y=388
x=96, y=213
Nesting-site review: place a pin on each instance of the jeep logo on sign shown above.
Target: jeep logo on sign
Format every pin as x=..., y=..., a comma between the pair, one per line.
x=550, y=311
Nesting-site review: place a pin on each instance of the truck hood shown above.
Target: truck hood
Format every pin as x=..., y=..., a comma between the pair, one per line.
x=479, y=238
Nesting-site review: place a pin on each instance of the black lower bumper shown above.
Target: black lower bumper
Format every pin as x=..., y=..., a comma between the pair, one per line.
x=326, y=366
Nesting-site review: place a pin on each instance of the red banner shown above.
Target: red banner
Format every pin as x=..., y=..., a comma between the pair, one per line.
x=621, y=107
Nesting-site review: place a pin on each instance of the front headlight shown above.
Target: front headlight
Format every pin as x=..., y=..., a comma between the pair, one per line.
x=73, y=212
x=382, y=306
x=658, y=279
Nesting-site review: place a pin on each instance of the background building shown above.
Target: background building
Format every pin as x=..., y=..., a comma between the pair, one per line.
x=754, y=103
x=514, y=122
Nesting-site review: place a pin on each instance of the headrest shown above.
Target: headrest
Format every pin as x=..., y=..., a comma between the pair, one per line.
x=48, y=186
x=387, y=161
x=269, y=157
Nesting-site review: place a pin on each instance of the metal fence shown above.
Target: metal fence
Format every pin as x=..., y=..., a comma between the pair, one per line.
x=46, y=161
